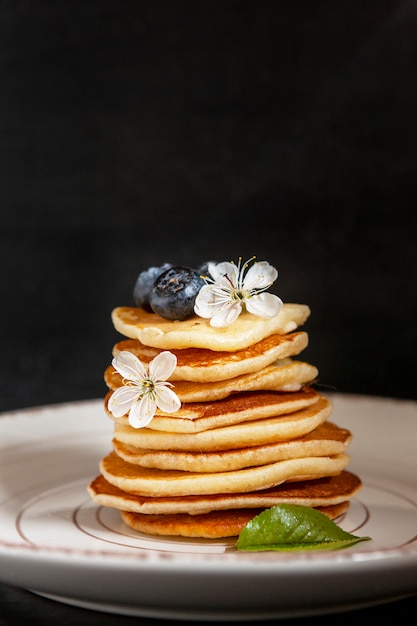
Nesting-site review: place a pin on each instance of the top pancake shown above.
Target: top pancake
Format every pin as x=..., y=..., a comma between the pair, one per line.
x=203, y=365
x=196, y=332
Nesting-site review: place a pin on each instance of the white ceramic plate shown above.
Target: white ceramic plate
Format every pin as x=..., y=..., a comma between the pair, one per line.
x=56, y=542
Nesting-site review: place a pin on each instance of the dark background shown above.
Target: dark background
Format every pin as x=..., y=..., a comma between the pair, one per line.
x=134, y=133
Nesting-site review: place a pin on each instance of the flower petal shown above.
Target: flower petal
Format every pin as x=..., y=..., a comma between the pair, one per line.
x=259, y=276
x=224, y=273
x=233, y=288
x=142, y=412
x=264, y=305
x=122, y=399
x=207, y=302
x=166, y=400
x=129, y=366
x=211, y=267
x=162, y=366
x=226, y=315
x=206, y=295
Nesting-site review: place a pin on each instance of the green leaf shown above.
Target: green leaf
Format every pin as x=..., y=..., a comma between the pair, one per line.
x=294, y=527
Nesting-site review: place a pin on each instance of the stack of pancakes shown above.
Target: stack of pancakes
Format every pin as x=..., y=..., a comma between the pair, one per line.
x=251, y=432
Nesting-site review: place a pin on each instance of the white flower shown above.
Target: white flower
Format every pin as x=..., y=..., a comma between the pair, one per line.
x=233, y=289
x=144, y=389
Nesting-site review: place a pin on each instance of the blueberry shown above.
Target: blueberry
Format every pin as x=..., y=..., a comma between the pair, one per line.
x=144, y=284
x=174, y=292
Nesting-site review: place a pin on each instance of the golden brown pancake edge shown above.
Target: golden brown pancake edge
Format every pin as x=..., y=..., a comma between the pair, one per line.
x=208, y=365
x=327, y=439
x=214, y=525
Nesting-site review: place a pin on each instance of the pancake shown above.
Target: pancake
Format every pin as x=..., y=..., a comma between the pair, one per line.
x=214, y=525
x=325, y=440
x=323, y=492
x=196, y=332
x=252, y=433
x=203, y=365
x=155, y=482
x=195, y=417
x=283, y=375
